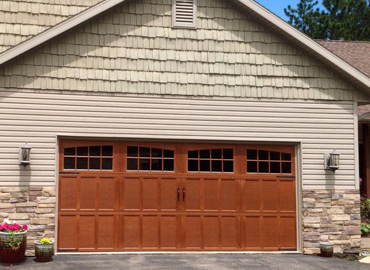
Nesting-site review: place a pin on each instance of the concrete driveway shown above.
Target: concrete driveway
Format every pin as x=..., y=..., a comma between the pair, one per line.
x=185, y=261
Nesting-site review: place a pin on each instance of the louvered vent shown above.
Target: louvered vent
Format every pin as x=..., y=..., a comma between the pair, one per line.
x=184, y=13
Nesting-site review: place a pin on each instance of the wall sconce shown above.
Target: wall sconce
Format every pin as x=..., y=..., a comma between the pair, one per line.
x=332, y=161
x=24, y=155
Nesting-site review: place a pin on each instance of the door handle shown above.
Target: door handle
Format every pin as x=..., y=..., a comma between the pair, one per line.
x=178, y=194
x=183, y=194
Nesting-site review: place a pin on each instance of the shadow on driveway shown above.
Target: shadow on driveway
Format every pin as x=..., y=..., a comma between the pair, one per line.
x=190, y=261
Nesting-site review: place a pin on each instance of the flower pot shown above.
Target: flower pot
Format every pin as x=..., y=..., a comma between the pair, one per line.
x=15, y=254
x=326, y=249
x=44, y=252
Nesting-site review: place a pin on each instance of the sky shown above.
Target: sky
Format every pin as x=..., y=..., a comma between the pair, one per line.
x=277, y=6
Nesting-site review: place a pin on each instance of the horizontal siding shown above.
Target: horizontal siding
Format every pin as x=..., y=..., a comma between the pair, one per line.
x=40, y=117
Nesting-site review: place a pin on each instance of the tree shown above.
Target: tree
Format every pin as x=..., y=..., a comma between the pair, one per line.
x=340, y=19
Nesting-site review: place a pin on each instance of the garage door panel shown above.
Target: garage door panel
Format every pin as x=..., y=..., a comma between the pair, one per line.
x=131, y=193
x=68, y=192
x=68, y=232
x=252, y=231
x=211, y=229
x=270, y=195
x=229, y=232
x=131, y=232
x=88, y=193
x=169, y=232
x=193, y=232
x=87, y=232
x=191, y=194
x=270, y=233
x=211, y=194
x=288, y=233
x=106, y=232
x=169, y=195
x=251, y=195
x=287, y=196
x=150, y=232
x=150, y=194
x=106, y=193
x=228, y=195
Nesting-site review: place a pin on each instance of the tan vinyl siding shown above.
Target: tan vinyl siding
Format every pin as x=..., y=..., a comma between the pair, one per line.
x=22, y=19
x=134, y=49
x=40, y=117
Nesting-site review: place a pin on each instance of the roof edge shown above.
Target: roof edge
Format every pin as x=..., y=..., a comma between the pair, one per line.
x=57, y=30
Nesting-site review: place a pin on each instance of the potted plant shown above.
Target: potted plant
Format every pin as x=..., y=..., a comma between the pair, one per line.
x=44, y=250
x=13, y=241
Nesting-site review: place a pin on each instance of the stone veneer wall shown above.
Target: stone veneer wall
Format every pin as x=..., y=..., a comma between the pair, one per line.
x=334, y=216
x=34, y=206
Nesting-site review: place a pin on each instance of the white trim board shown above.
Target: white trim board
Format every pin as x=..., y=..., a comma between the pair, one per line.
x=260, y=13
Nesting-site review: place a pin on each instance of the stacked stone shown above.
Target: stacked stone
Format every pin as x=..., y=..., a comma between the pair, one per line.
x=34, y=206
x=331, y=216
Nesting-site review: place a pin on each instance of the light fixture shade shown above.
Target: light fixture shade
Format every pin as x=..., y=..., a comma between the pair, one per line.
x=334, y=160
x=25, y=154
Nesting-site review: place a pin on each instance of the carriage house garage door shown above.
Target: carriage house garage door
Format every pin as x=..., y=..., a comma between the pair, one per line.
x=131, y=196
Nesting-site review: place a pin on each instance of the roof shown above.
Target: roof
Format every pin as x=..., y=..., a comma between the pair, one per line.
x=356, y=53
x=259, y=13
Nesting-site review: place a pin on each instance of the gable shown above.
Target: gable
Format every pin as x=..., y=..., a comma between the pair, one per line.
x=134, y=49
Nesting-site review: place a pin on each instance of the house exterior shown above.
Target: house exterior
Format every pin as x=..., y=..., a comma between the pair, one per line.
x=357, y=53
x=160, y=125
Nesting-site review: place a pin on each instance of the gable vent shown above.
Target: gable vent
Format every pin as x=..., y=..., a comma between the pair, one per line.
x=184, y=13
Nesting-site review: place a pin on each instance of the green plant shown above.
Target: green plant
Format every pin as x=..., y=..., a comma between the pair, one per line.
x=365, y=208
x=14, y=242
x=45, y=241
x=365, y=228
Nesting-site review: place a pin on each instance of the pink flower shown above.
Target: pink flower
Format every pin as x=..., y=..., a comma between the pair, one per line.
x=10, y=228
x=24, y=227
x=16, y=227
x=1, y=227
x=5, y=226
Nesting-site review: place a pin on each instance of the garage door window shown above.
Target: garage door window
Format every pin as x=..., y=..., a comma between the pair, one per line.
x=268, y=162
x=150, y=159
x=89, y=158
x=211, y=160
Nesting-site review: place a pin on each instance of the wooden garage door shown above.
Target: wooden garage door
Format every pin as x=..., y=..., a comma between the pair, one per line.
x=119, y=196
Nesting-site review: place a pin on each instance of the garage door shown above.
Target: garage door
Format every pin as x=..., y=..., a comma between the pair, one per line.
x=131, y=196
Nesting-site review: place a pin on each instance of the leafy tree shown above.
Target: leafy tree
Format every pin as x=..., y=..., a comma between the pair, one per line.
x=340, y=19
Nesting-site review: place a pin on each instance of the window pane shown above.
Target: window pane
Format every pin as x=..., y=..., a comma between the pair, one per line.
x=69, y=163
x=95, y=151
x=108, y=151
x=144, y=152
x=275, y=167
x=216, y=166
x=287, y=157
x=193, y=154
x=228, y=166
x=263, y=155
x=263, y=167
x=168, y=165
x=156, y=164
x=156, y=152
x=252, y=154
x=287, y=167
x=216, y=154
x=205, y=166
x=107, y=164
x=274, y=155
x=82, y=151
x=94, y=164
x=192, y=165
x=69, y=151
x=205, y=153
x=131, y=164
x=144, y=164
x=82, y=163
x=168, y=154
x=228, y=153
x=252, y=166
x=132, y=151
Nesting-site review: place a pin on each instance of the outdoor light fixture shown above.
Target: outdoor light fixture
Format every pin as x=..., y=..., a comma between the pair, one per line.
x=24, y=155
x=332, y=161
